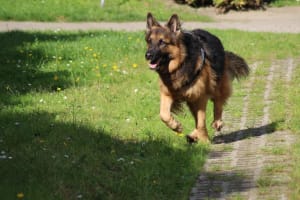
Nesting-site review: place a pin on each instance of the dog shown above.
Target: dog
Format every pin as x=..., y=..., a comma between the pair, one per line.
x=193, y=67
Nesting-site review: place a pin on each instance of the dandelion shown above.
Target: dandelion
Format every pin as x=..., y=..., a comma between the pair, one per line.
x=20, y=195
x=94, y=55
x=115, y=68
x=58, y=89
x=55, y=77
x=104, y=65
x=134, y=65
x=180, y=134
x=86, y=48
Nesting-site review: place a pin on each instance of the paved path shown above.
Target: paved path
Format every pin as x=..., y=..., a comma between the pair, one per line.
x=286, y=19
x=249, y=163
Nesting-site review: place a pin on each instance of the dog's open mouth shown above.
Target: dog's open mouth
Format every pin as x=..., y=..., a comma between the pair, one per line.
x=154, y=64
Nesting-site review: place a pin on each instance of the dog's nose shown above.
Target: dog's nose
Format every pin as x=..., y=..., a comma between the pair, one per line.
x=148, y=56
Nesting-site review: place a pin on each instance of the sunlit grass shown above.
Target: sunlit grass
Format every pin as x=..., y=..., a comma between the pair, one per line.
x=91, y=10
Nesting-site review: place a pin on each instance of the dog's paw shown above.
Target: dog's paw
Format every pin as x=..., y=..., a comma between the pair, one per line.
x=190, y=139
x=178, y=129
x=193, y=138
x=217, y=125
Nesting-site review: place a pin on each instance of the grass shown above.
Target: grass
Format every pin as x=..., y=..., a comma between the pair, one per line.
x=90, y=10
x=79, y=116
x=281, y=3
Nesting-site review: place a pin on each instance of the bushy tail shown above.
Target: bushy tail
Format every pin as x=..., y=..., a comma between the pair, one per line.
x=236, y=65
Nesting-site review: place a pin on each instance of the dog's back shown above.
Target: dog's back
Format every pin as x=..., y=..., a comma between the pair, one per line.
x=213, y=48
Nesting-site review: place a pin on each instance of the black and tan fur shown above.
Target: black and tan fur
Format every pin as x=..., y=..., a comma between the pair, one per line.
x=193, y=68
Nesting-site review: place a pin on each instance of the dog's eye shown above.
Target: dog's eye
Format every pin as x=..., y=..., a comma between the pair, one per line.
x=161, y=42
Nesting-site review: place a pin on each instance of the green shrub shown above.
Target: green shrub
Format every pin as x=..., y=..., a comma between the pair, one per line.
x=225, y=5
x=195, y=3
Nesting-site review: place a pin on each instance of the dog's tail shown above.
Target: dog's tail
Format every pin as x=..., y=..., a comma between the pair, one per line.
x=236, y=65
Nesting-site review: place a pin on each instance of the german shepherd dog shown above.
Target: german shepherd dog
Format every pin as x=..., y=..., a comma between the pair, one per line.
x=193, y=67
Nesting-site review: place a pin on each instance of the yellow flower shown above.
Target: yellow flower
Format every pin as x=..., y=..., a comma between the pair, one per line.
x=104, y=65
x=180, y=134
x=58, y=89
x=115, y=68
x=86, y=48
x=134, y=65
x=94, y=55
x=20, y=195
x=55, y=77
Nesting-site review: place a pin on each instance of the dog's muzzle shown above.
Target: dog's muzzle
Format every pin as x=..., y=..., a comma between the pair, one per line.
x=153, y=58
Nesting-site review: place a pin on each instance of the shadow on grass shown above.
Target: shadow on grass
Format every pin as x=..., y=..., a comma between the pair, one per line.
x=246, y=133
x=21, y=62
x=46, y=159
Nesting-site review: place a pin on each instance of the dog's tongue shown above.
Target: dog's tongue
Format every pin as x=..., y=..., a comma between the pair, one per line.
x=152, y=66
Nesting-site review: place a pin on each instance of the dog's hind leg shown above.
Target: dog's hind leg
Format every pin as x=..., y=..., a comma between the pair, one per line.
x=165, y=113
x=217, y=124
x=198, y=110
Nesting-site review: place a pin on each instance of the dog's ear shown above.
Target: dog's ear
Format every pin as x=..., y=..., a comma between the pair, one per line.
x=174, y=23
x=151, y=21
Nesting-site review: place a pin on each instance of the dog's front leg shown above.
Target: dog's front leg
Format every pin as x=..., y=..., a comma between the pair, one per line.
x=166, y=102
x=198, y=110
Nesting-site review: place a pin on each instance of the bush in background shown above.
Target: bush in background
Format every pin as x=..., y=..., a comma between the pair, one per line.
x=223, y=6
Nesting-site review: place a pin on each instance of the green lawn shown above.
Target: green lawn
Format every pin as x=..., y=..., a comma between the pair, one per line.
x=90, y=10
x=281, y=3
x=79, y=116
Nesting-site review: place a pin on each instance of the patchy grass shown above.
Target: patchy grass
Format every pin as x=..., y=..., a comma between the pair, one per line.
x=89, y=10
x=79, y=116
x=281, y=3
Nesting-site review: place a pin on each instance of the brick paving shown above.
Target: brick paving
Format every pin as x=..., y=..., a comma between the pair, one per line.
x=237, y=166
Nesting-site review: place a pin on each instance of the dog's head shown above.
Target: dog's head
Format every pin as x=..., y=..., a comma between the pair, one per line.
x=162, y=41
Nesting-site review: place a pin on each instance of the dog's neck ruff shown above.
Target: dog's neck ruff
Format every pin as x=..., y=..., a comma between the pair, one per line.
x=190, y=81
